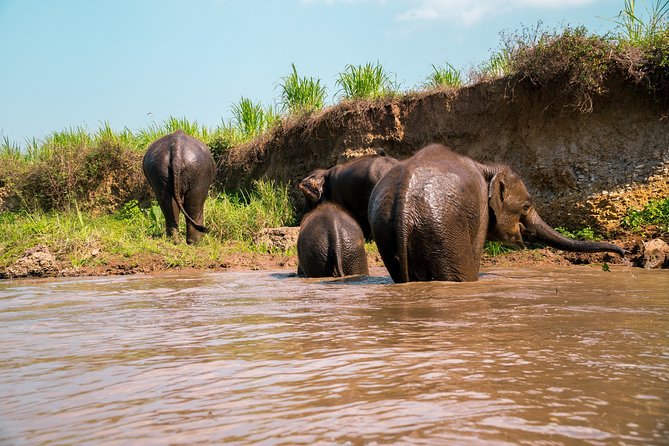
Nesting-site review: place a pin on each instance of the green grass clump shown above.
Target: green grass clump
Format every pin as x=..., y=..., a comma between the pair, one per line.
x=637, y=28
x=369, y=81
x=498, y=65
x=656, y=212
x=444, y=76
x=251, y=119
x=301, y=94
x=496, y=248
x=240, y=216
x=586, y=234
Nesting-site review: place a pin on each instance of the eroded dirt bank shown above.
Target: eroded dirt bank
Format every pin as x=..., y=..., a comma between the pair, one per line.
x=584, y=169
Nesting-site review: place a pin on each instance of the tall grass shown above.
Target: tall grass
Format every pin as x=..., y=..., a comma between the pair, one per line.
x=498, y=65
x=240, y=216
x=251, y=118
x=301, y=94
x=635, y=27
x=444, y=76
x=369, y=81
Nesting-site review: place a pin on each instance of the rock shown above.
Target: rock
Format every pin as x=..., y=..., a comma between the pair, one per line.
x=277, y=239
x=653, y=254
x=35, y=262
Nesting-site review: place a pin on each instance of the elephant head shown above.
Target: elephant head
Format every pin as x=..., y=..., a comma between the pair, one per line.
x=348, y=185
x=512, y=215
x=508, y=202
x=313, y=186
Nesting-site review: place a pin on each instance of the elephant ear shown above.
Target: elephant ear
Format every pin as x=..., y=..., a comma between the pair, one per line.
x=497, y=193
x=312, y=187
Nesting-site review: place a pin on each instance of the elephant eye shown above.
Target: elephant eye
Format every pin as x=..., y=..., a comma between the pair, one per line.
x=527, y=207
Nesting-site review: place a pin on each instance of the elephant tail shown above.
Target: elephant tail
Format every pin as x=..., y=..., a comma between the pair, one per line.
x=402, y=233
x=336, y=250
x=176, y=164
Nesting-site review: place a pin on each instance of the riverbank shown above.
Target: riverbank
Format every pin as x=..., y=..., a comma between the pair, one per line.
x=39, y=261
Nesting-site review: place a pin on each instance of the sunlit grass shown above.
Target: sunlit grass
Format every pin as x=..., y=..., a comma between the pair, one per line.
x=498, y=65
x=301, y=94
x=134, y=233
x=444, y=76
x=642, y=27
x=369, y=81
x=252, y=118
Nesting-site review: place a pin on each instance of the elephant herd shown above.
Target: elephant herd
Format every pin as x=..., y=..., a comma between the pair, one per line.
x=429, y=214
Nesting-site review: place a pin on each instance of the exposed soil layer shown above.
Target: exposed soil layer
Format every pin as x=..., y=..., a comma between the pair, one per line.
x=583, y=169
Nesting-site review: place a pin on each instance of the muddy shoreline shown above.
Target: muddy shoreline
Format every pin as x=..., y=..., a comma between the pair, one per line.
x=253, y=261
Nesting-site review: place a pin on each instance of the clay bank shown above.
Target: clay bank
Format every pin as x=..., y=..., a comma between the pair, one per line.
x=583, y=168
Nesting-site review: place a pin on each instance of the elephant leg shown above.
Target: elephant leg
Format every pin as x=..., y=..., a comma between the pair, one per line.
x=195, y=208
x=170, y=210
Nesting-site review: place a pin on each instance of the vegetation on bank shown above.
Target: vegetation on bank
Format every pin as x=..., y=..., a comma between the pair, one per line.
x=137, y=234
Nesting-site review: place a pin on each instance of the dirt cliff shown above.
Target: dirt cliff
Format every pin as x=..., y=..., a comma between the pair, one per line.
x=583, y=169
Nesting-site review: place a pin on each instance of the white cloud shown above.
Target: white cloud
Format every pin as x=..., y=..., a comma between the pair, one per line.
x=470, y=12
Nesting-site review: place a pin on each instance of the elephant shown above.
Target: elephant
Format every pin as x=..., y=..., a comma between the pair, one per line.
x=330, y=244
x=431, y=214
x=348, y=185
x=180, y=170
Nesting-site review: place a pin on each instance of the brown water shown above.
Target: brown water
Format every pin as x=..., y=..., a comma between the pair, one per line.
x=563, y=356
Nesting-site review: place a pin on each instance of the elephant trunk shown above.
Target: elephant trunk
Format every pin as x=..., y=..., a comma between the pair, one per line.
x=537, y=227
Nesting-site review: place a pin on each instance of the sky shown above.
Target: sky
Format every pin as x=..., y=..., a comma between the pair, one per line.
x=79, y=63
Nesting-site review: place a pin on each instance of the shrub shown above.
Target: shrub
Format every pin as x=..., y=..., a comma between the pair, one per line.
x=368, y=81
x=301, y=94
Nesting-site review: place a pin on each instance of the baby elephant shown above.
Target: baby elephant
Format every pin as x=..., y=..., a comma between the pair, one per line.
x=330, y=244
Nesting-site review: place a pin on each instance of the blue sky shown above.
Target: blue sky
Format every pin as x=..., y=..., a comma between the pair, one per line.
x=75, y=63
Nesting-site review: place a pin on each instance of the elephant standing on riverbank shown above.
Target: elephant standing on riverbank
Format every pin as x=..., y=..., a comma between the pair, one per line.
x=348, y=185
x=180, y=169
x=330, y=244
x=431, y=214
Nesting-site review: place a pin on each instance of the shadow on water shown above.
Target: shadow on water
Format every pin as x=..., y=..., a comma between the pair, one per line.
x=542, y=356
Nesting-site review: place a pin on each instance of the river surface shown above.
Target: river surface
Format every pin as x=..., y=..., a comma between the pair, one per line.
x=541, y=356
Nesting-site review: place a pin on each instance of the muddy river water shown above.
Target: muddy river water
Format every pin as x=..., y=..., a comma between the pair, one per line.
x=572, y=355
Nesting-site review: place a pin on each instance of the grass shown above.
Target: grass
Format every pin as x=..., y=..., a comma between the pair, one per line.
x=655, y=213
x=369, y=81
x=586, y=234
x=495, y=248
x=633, y=26
x=301, y=94
x=444, y=76
x=133, y=233
x=252, y=119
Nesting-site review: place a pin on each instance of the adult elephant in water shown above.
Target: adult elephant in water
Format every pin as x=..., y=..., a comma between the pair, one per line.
x=180, y=169
x=431, y=214
x=349, y=185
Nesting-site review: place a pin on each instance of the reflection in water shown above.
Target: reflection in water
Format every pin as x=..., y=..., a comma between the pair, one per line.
x=539, y=356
